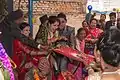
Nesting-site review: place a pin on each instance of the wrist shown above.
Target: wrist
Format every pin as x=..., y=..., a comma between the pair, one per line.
x=39, y=46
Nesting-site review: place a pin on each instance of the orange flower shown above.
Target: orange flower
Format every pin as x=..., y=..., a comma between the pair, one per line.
x=36, y=76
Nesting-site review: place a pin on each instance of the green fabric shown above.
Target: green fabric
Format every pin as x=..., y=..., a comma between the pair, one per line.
x=6, y=75
x=5, y=72
x=42, y=35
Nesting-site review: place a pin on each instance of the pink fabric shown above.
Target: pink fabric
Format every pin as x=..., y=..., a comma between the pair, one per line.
x=80, y=45
x=78, y=73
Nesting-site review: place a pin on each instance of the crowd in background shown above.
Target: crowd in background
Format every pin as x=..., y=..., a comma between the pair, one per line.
x=35, y=58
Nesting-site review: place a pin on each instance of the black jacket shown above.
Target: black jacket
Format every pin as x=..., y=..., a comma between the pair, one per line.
x=108, y=25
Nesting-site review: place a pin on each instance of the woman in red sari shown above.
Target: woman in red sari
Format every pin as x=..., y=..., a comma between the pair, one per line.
x=85, y=25
x=92, y=37
x=24, y=56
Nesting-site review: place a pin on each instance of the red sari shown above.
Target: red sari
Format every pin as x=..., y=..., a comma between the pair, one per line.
x=22, y=56
x=94, y=33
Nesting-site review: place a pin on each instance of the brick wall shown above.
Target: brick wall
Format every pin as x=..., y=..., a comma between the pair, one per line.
x=53, y=6
x=74, y=9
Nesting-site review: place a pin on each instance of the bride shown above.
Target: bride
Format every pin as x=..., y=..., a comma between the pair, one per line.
x=109, y=48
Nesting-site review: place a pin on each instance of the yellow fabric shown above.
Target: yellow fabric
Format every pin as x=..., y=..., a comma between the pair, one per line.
x=1, y=74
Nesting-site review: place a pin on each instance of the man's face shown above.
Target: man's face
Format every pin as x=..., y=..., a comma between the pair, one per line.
x=62, y=23
x=113, y=18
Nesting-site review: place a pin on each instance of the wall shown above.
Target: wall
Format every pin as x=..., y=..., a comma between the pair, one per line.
x=74, y=9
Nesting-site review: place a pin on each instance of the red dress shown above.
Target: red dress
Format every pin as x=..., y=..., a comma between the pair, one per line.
x=21, y=56
x=93, y=34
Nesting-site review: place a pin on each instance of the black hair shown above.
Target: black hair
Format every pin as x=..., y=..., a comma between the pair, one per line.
x=53, y=19
x=85, y=21
x=103, y=15
x=93, y=19
x=43, y=19
x=79, y=30
x=109, y=47
x=62, y=15
x=112, y=14
x=15, y=15
x=23, y=25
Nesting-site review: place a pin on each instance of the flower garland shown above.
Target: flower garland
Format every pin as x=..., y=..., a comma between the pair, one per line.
x=6, y=62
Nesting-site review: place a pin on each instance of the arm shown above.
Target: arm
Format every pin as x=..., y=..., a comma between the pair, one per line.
x=15, y=32
x=72, y=38
x=30, y=51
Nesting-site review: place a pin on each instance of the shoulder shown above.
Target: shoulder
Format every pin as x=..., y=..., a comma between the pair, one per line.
x=108, y=22
x=17, y=42
x=70, y=28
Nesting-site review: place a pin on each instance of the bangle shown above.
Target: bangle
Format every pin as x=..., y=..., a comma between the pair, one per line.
x=39, y=46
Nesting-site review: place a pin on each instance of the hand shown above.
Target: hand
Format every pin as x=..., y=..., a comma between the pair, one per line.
x=42, y=53
x=94, y=40
x=44, y=47
x=97, y=60
x=90, y=71
x=63, y=38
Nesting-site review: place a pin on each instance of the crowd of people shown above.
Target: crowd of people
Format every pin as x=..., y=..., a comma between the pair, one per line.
x=57, y=53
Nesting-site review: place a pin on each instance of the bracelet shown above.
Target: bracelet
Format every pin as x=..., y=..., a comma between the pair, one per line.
x=39, y=46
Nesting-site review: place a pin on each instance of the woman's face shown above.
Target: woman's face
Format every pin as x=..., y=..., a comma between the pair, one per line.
x=54, y=26
x=102, y=17
x=26, y=31
x=93, y=24
x=82, y=35
x=85, y=24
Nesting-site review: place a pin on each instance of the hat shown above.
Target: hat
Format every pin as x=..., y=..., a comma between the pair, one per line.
x=14, y=15
x=43, y=18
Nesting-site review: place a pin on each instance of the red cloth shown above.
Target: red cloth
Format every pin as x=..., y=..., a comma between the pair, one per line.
x=20, y=51
x=66, y=76
x=94, y=33
x=72, y=53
